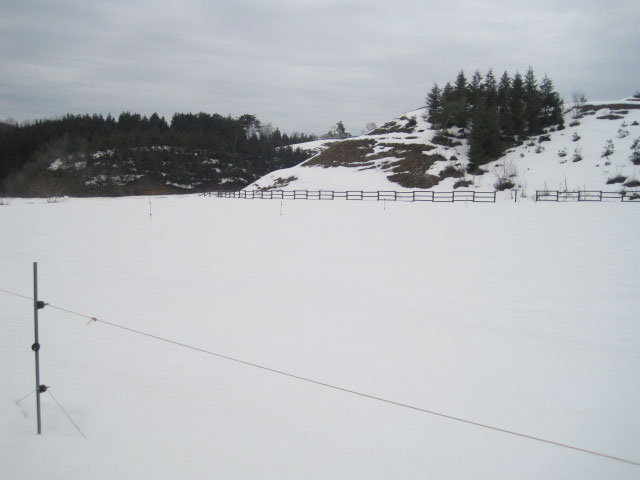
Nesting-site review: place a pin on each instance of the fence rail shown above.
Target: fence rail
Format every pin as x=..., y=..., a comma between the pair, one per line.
x=378, y=195
x=586, y=196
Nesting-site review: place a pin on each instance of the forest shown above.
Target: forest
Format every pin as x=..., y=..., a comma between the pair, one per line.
x=85, y=155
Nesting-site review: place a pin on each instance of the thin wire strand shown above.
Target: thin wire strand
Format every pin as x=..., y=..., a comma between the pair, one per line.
x=65, y=412
x=342, y=389
x=30, y=393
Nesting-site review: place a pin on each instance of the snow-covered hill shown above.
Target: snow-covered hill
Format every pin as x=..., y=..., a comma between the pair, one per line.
x=408, y=153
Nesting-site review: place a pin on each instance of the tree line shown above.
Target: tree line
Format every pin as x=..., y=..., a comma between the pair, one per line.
x=494, y=114
x=256, y=147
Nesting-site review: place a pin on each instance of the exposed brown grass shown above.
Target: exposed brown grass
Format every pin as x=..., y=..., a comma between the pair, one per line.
x=451, y=171
x=407, y=163
x=610, y=106
x=396, y=127
x=349, y=153
x=462, y=183
x=611, y=116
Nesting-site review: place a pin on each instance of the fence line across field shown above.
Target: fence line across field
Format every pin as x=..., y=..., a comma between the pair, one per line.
x=363, y=195
x=586, y=196
x=473, y=196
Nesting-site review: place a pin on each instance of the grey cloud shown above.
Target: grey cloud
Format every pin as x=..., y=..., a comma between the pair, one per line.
x=301, y=65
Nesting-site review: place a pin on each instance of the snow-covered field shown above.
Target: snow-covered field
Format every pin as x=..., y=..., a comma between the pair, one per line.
x=522, y=316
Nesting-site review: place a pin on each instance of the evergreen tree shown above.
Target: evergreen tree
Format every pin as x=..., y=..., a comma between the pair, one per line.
x=460, y=87
x=434, y=103
x=484, y=138
x=504, y=99
x=551, y=104
x=517, y=105
x=490, y=90
x=445, y=119
x=533, y=103
x=340, y=130
x=459, y=106
x=475, y=87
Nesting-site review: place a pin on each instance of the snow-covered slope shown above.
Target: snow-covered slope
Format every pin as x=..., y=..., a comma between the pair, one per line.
x=407, y=153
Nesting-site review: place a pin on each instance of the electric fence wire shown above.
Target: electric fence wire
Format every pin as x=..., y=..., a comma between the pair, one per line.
x=334, y=387
x=65, y=412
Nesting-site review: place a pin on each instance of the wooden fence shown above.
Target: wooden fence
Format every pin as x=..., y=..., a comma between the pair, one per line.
x=379, y=195
x=586, y=196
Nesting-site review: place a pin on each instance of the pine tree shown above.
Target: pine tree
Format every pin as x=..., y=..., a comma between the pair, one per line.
x=533, y=104
x=504, y=111
x=475, y=87
x=551, y=104
x=445, y=119
x=490, y=91
x=484, y=138
x=341, y=131
x=459, y=107
x=516, y=105
x=434, y=104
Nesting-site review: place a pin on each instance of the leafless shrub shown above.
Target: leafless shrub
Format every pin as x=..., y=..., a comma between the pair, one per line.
x=506, y=174
x=579, y=101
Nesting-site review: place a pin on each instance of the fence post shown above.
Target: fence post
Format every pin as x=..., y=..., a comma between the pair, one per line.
x=37, y=305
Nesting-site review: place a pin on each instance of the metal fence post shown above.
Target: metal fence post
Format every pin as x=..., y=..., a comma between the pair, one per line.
x=37, y=305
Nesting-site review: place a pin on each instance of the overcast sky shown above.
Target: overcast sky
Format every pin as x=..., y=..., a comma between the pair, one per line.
x=300, y=65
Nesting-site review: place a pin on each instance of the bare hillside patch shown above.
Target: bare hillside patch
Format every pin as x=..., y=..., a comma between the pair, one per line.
x=406, y=163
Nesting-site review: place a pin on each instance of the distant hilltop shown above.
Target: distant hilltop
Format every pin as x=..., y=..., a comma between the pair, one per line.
x=597, y=147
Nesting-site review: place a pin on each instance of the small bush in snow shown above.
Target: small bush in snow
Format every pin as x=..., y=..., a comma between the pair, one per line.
x=503, y=184
x=575, y=137
x=451, y=171
x=608, y=148
x=462, y=183
x=575, y=123
x=505, y=174
x=616, y=179
x=577, y=154
x=539, y=149
x=622, y=132
x=635, y=152
x=579, y=100
x=632, y=183
x=562, y=153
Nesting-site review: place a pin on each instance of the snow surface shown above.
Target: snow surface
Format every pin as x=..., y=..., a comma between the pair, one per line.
x=523, y=316
x=535, y=167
